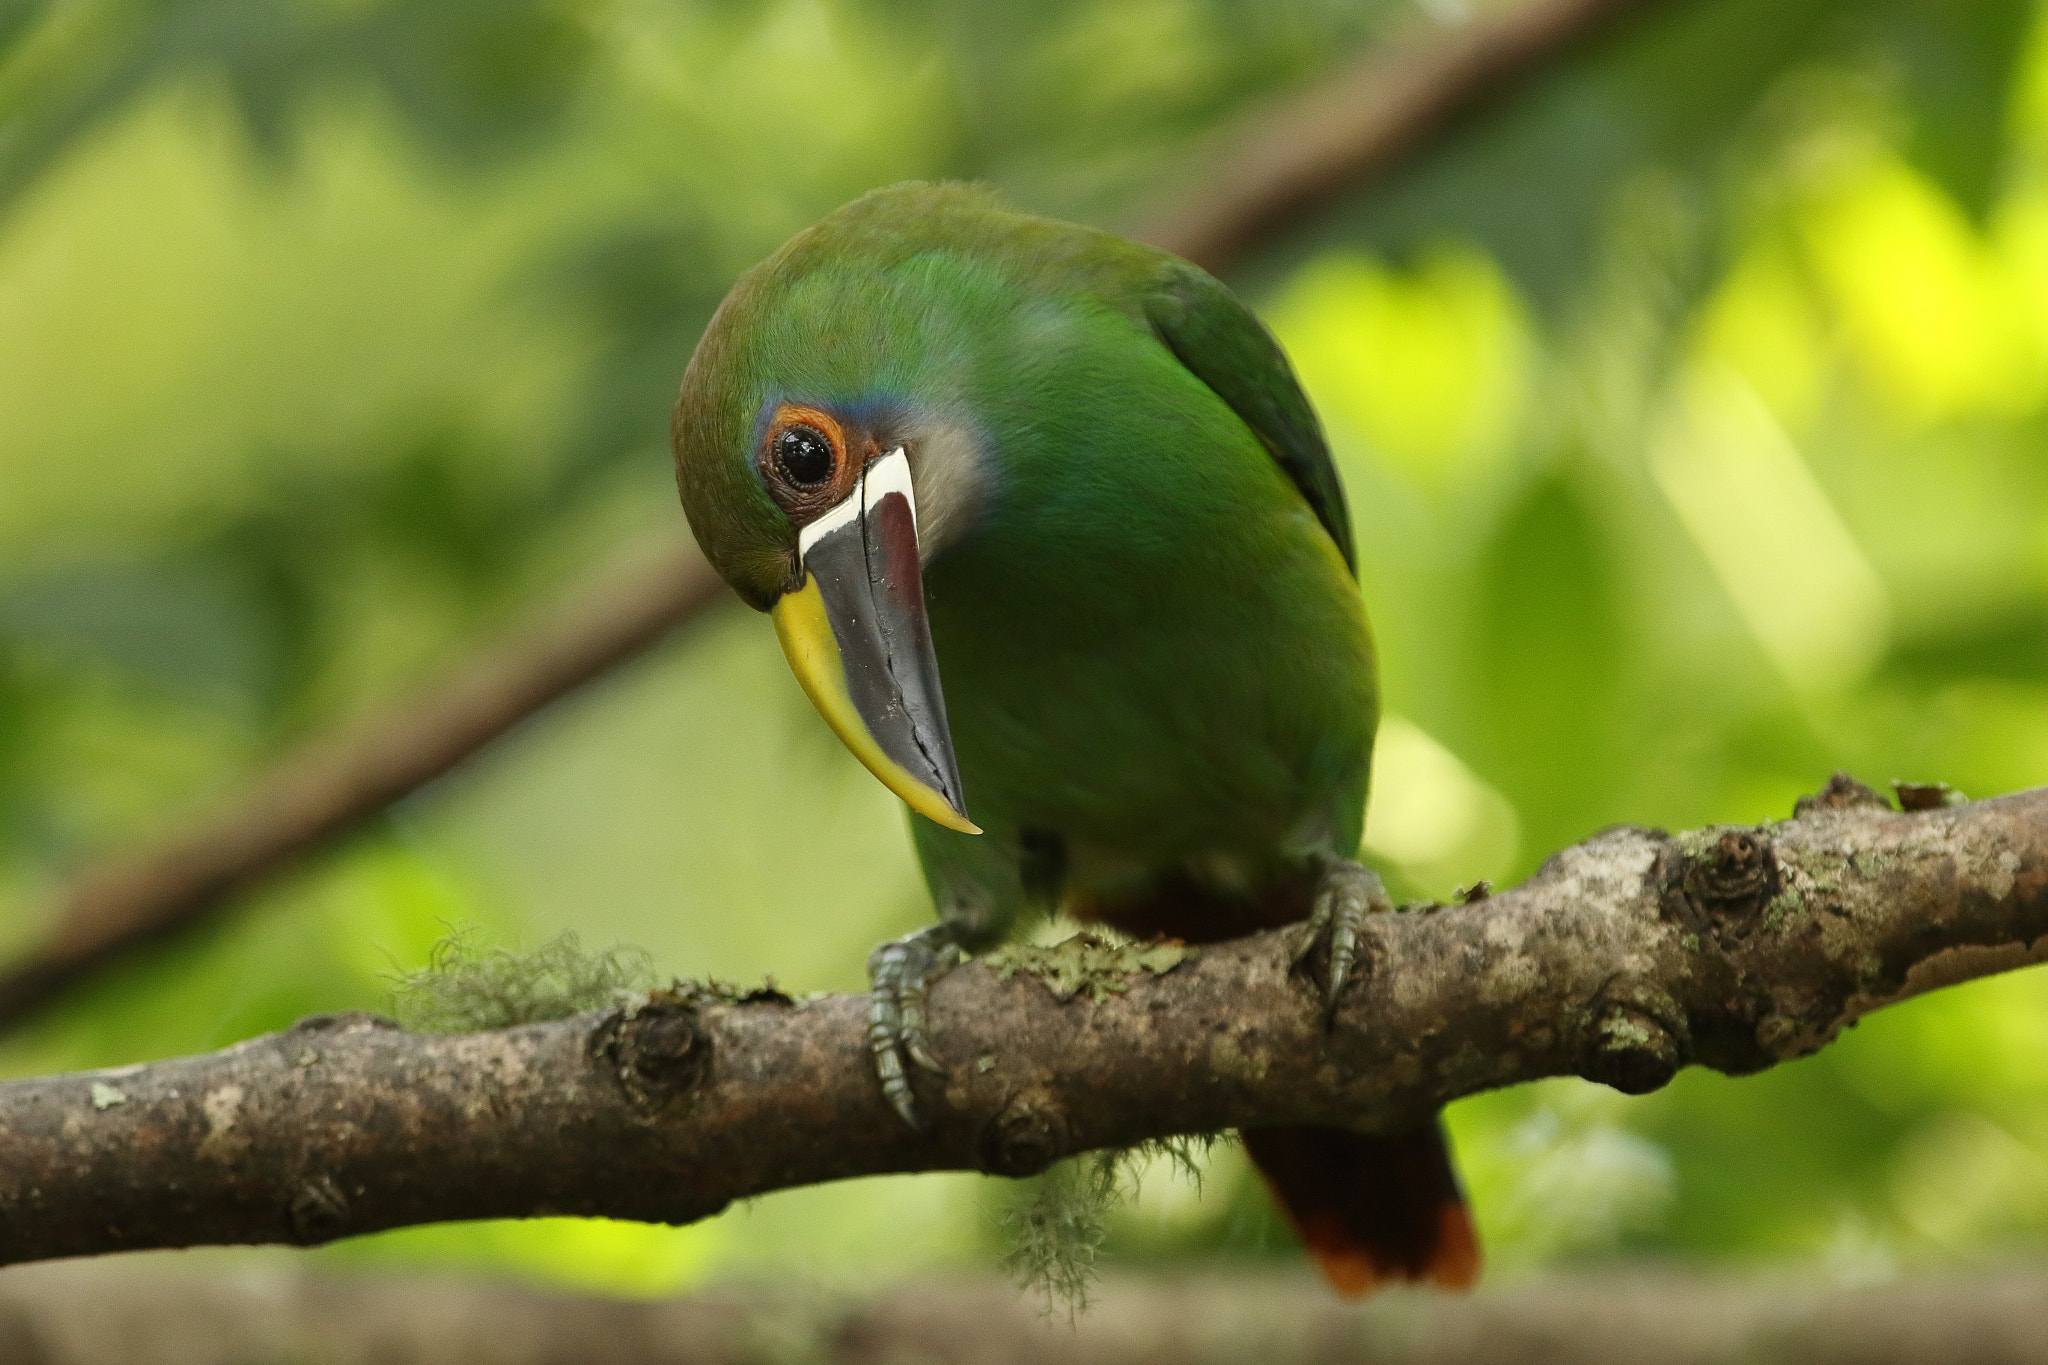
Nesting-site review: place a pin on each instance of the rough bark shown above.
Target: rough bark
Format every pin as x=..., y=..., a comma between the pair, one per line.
x=115, y=1313
x=1356, y=126
x=1625, y=958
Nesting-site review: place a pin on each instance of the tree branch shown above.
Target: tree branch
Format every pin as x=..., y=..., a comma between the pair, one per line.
x=1357, y=125
x=1625, y=958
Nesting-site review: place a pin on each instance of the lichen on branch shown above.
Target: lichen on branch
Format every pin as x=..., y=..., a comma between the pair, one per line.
x=468, y=985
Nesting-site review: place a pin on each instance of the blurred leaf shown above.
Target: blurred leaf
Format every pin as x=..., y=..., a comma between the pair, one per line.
x=15, y=18
x=474, y=78
x=18, y=708
x=1550, y=645
x=434, y=496
x=2010, y=644
x=602, y=1255
x=1960, y=60
x=170, y=626
x=648, y=288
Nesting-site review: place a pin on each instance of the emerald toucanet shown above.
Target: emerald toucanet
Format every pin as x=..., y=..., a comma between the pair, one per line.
x=1074, y=479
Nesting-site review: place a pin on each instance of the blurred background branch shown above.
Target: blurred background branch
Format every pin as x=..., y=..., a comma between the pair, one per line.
x=111, y=1313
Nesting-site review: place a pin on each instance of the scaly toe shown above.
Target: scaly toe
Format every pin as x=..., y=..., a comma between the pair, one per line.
x=1344, y=924
x=902, y=972
x=1348, y=893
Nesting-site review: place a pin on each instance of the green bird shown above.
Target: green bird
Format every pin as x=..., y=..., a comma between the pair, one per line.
x=1075, y=478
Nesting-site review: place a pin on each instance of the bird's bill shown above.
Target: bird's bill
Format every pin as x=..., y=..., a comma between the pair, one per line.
x=857, y=639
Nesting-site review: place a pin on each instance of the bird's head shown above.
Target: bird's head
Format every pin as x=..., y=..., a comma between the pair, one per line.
x=820, y=470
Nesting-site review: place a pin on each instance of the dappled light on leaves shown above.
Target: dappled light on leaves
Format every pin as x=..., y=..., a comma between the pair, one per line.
x=631, y=1260
x=1929, y=305
x=1788, y=563
x=1426, y=370
x=1431, y=816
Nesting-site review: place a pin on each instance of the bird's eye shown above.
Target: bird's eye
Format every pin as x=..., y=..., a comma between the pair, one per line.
x=804, y=455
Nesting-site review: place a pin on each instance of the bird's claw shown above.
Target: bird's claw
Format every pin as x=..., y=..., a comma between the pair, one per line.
x=901, y=972
x=1345, y=894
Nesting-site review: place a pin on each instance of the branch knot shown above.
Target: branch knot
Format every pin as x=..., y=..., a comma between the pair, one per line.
x=1742, y=867
x=1633, y=1050
x=1028, y=1136
x=318, y=1211
x=658, y=1050
x=1841, y=793
x=1720, y=884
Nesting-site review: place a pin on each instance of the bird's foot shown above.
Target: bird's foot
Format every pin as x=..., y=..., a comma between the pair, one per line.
x=1346, y=893
x=901, y=972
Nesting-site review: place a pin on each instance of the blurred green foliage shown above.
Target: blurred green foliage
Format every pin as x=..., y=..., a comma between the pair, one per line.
x=1691, y=400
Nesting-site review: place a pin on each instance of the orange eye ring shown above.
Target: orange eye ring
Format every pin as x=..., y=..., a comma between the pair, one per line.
x=793, y=460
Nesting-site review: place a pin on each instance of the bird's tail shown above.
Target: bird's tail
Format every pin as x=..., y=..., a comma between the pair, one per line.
x=1373, y=1210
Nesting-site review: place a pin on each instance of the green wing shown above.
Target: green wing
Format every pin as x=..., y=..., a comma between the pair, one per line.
x=1231, y=351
